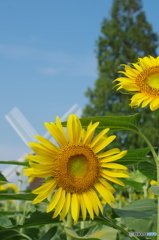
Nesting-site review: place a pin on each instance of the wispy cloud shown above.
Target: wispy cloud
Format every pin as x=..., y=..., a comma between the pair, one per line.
x=52, y=62
x=49, y=71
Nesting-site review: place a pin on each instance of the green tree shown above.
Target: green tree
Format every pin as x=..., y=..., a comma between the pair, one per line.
x=125, y=36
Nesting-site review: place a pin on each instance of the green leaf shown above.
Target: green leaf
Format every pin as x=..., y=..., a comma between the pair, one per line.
x=19, y=196
x=155, y=190
x=2, y=178
x=10, y=233
x=32, y=232
x=148, y=169
x=134, y=156
x=139, y=215
x=49, y=234
x=96, y=232
x=134, y=184
x=4, y=213
x=26, y=164
x=39, y=218
x=5, y=221
x=114, y=123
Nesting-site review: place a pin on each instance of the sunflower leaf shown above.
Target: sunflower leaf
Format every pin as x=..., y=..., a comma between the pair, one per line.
x=39, y=218
x=148, y=169
x=11, y=233
x=97, y=232
x=134, y=184
x=155, y=190
x=140, y=215
x=19, y=196
x=49, y=234
x=114, y=123
x=26, y=164
x=2, y=178
x=134, y=156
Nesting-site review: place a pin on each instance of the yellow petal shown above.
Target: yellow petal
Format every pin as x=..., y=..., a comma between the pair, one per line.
x=59, y=125
x=154, y=104
x=66, y=206
x=113, y=179
x=54, y=200
x=40, y=149
x=41, y=197
x=98, y=137
x=107, y=185
x=114, y=158
x=114, y=174
x=45, y=187
x=83, y=207
x=104, y=143
x=96, y=198
x=75, y=207
x=105, y=193
x=113, y=165
x=109, y=152
x=56, y=133
x=146, y=102
x=93, y=202
x=88, y=205
x=60, y=204
x=40, y=159
x=90, y=133
x=47, y=144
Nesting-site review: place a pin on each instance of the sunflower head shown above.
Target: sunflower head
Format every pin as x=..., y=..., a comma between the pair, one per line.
x=142, y=78
x=77, y=170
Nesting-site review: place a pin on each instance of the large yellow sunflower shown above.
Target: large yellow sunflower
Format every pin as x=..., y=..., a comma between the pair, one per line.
x=143, y=79
x=76, y=170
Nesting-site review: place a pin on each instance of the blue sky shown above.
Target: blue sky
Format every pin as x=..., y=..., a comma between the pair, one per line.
x=47, y=59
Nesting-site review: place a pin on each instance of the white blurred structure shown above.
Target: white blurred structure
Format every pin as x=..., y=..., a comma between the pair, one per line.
x=26, y=132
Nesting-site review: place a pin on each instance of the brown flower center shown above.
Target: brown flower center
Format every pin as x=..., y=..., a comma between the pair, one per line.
x=78, y=169
x=148, y=81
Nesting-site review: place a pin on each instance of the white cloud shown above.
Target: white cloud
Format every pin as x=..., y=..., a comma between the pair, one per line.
x=52, y=62
x=49, y=71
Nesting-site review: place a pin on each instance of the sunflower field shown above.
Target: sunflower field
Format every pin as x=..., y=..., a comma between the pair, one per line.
x=81, y=187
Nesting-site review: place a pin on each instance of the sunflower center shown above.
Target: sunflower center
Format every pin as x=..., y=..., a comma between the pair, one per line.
x=148, y=81
x=78, y=169
x=153, y=80
x=77, y=166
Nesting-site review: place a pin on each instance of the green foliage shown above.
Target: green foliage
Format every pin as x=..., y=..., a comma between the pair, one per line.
x=140, y=215
x=39, y=218
x=125, y=36
x=20, y=196
x=155, y=190
x=2, y=178
x=114, y=123
x=134, y=156
x=96, y=232
x=48, y=235
x=148, y=169
x=26, y=164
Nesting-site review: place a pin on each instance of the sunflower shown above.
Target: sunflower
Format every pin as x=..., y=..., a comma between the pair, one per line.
x=142, y=78
x=76, y=170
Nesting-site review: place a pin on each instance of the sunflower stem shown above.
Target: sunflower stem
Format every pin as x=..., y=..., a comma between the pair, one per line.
x=69, y=223
x=156, y=158
x=150, y=146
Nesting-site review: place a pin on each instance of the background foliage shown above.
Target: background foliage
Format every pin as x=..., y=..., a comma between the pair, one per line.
x=124, y=37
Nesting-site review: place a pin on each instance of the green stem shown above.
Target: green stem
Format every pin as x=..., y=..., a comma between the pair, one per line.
x=150, y=146
x=156, y=158
x=69, y=224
